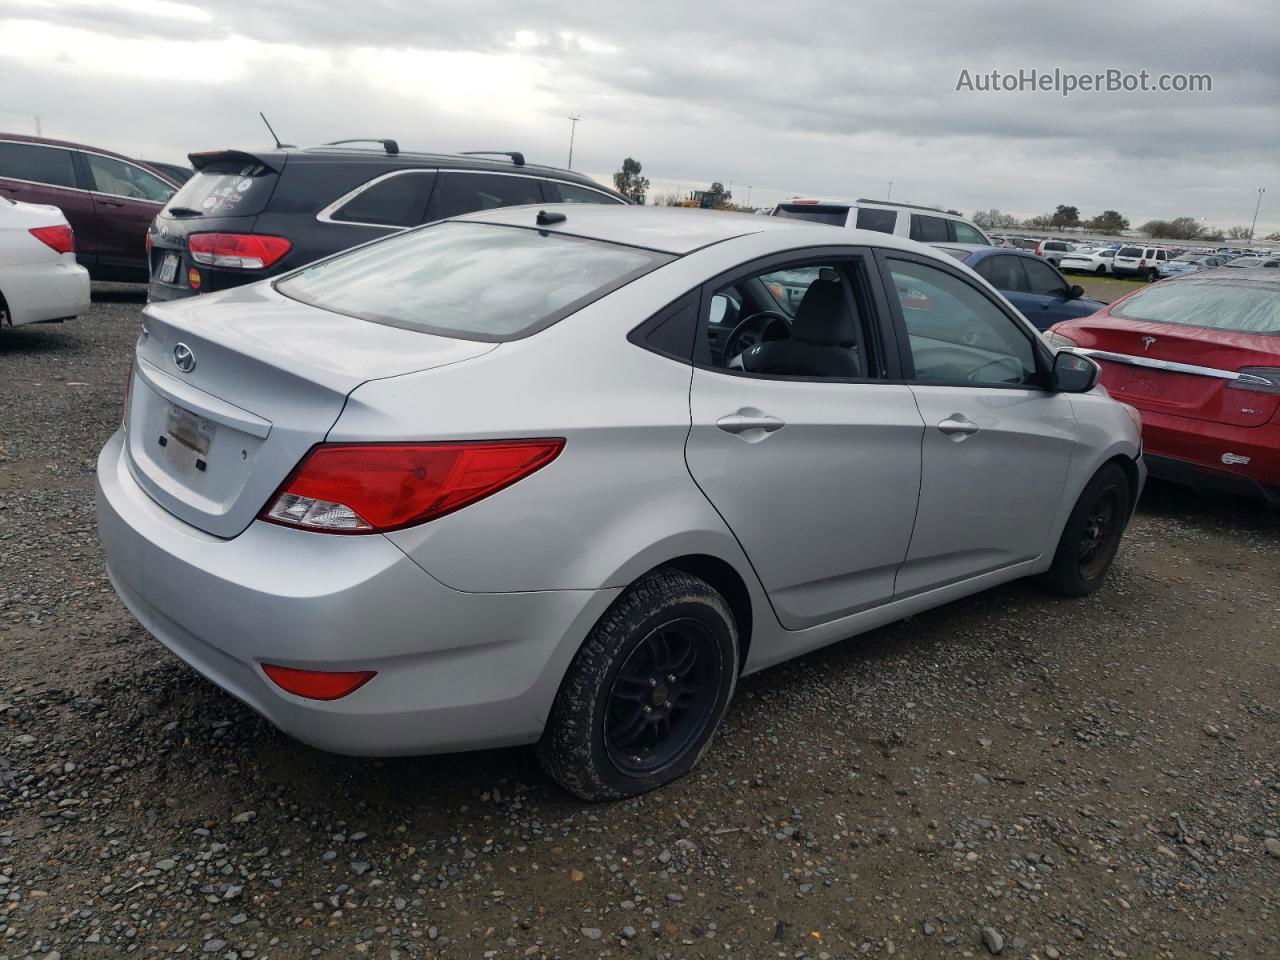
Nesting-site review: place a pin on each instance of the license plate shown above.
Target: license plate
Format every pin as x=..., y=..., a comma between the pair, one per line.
x=168, y=268
x=188, y=432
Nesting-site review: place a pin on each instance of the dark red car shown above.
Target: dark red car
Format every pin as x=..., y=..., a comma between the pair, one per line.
x=1199, y=356
x=109, y=199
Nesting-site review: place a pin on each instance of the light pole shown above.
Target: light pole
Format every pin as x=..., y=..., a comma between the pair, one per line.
x=1256, y=208
x=890, y=193
x=573, y=129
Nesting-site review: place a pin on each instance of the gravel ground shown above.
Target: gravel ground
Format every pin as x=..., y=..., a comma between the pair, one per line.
x=1011, y=774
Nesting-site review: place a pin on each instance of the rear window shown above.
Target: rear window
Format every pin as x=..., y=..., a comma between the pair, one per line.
x=470, y=280
x=834, y=215
x=881, y=221
x=237, y=187
x=1218, y=304
x=1129, y=252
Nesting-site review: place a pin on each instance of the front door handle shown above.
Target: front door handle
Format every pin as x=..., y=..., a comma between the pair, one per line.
x=745, y=421
x=958, y=426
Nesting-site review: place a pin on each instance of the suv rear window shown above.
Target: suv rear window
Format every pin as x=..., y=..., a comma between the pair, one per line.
x=232, y=187
x=474, y=281
x=881, y=221
x=1129, y=252
x=1217, y=304
x=836, y=216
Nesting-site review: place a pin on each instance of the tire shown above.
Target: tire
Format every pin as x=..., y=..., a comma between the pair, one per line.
x=1077, y=569
x=1153, y=276
x=620, y=683
x=1102, y=270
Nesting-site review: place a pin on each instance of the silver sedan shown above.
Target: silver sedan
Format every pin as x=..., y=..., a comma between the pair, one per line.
x=561, y=476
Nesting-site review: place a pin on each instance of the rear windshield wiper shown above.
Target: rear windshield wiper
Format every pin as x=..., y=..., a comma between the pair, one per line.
x=184, y=212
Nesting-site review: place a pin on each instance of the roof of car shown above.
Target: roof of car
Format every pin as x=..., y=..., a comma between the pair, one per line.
x=72, y=145
x=864, y=202
x=679, y=230
x=980, y=251
x=1267, y=277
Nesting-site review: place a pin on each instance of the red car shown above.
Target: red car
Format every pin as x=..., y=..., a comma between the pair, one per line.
x=1199, y=356
x=109, y=199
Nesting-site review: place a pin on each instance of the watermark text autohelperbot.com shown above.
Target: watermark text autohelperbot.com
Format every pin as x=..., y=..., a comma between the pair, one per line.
x=1066, y=83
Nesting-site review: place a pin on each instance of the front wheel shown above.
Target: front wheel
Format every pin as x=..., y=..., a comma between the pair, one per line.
x=1101, y=271
x=1092, y=534
x=645, y=694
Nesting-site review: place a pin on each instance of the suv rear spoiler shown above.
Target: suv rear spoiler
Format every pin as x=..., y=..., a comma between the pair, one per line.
x=201, y=160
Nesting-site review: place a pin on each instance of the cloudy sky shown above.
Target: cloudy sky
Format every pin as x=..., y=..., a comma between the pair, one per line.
x=779, y=99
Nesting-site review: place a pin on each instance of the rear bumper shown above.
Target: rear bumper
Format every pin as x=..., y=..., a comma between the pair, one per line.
x=1208, y=456
x=455, y=670
x=53, y=290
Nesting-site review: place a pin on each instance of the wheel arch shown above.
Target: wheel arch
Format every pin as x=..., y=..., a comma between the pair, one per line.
x=725, y=579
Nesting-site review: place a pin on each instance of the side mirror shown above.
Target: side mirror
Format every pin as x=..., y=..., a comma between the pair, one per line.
x=1074, y=373
x=1075, y=292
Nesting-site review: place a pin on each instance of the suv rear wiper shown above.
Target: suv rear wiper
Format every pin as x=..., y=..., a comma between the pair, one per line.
x=184, y=212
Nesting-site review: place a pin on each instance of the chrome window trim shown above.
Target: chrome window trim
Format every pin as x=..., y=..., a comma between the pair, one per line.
x=326, y=215
x=1170, y=366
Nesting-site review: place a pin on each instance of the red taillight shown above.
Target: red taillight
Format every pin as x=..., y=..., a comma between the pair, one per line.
x=318, y=684
x=1142, y=262
x=378, y=487
x=244, y=251
x=62, y=238
x=802, y=201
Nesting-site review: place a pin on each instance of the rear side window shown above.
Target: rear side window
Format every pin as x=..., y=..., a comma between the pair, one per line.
x=836, y=216
x=232, y=187
x=928, y=229
x=1004, y=273
x=461, y=193
x=967, y=234
x=397, y=200
x=881, y=221
x=29, y=161
x=122, y=179
x=572, y=193
x=474, y=281
x=1217, y=304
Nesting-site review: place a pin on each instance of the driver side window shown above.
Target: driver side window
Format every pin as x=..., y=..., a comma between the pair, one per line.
x=956, y=334
x=802, y=320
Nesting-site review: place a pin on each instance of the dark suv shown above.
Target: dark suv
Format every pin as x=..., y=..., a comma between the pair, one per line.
x=109, y=199
x=247, y=215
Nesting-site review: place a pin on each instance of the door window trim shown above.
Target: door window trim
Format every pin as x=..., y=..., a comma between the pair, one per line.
x=1039, y=350
x=326, y=214
x=875, y=324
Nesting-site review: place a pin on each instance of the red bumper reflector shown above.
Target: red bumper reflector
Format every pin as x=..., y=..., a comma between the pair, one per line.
x=318, y=684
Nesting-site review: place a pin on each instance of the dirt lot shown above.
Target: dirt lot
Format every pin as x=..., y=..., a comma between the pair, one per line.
x=1013, y=773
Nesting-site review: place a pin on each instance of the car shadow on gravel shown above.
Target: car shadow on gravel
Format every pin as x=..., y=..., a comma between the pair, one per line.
x=36, y=338
x=119, y=292
x=1174, y=501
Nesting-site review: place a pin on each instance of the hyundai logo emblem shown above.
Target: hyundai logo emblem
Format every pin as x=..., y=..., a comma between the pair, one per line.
x=184, y=358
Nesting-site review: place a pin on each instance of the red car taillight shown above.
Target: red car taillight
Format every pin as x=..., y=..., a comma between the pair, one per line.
x=243, y=251
x=378, y=487
x=1257, y=379
x=318, y=684
x=62, y=239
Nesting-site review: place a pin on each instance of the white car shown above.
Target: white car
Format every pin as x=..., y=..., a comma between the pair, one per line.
x=923, y=224
x=1086, y=260
x=1140, y=261
x=39, y=277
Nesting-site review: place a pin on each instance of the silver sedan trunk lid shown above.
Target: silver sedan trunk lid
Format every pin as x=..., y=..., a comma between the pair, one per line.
x=230, y=391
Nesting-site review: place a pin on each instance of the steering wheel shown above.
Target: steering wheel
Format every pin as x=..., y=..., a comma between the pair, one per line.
x=975, y=376
x=757, y=328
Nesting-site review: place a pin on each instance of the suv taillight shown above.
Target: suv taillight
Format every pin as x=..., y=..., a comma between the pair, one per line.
x=379, y=487
x=243, y=251
x=62, y=239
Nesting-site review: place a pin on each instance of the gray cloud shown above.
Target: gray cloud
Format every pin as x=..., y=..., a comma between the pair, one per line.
x=818, y=98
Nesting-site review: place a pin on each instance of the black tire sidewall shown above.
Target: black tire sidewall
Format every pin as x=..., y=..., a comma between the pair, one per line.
x=1064, y=575
x=573, y=749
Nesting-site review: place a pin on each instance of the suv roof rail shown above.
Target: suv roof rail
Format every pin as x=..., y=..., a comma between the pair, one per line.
x=909, y=206
x=388, y=145
x=516, y=156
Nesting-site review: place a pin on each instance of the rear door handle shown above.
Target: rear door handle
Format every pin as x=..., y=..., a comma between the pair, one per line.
x=744, y=421
x=958, y=426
